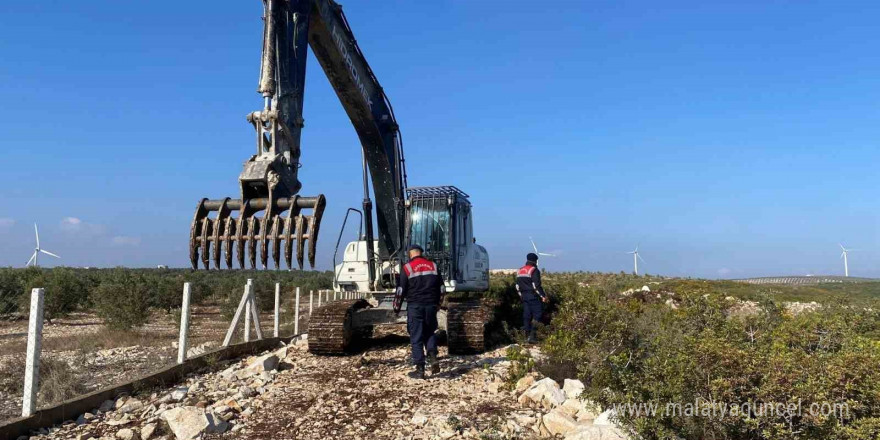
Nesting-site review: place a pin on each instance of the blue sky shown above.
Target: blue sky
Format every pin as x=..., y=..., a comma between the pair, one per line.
x=728, y=139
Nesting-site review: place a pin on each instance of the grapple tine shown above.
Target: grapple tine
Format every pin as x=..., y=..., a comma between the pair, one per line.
x=195, y=232
x=219, y=230
x=252, y=241
x=300, y=225
x=240, y=237
x=206, y=242
x=276, y=241
x=314, y=225
x=289, y=225
x=265, y=223
x=230, y=240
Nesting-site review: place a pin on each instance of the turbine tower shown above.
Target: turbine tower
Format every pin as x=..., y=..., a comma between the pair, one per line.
x=636, y=258
x=38, y=251
x=844, y=255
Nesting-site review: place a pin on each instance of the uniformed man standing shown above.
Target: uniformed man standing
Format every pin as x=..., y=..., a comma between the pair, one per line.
x=422, y=287
x=528, y=284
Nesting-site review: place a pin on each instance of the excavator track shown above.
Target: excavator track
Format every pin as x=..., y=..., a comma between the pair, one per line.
x=466, y=325
x=330, y=327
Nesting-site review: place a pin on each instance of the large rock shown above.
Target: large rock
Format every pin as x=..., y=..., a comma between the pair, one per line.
x=189, y=422
x=606, y=418
x=586, y=432
x=127, y=434
x=263, y=363
x=200, y=349
x=544, y=392
x=524, y=383
x=131, y=405
x=179, y=393
x=148, y=431
x=559, y=423
x=572, y=388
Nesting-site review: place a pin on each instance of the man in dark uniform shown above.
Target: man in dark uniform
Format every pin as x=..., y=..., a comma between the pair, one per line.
x=528, y=284
x=421, y=285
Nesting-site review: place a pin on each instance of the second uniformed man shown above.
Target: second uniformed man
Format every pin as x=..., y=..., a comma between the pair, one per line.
x=528, y=284
x=421, y=285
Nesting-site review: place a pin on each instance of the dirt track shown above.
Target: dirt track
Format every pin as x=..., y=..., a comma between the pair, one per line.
x=369, y=396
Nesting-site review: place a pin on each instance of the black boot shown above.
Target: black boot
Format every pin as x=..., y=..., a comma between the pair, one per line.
x=419, y=372
x=533, y=338
x=434, y=363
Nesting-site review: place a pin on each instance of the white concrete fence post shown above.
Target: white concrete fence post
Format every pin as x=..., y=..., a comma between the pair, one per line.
x=296, y=314
x=277, y=309
x=248, y=306
x=32, y=365
x=255, y=312
x=319, y=298
x=184, y=324
x=311, y=297
x=248, y=309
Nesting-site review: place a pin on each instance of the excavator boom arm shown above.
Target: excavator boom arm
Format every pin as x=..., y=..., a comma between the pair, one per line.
x=370, y=111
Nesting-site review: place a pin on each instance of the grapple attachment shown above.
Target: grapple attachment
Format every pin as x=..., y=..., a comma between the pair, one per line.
x=282, y=221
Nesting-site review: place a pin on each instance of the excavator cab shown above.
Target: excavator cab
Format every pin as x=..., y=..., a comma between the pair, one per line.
x=439, y=220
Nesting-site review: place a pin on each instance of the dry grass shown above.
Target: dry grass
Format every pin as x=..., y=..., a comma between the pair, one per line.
x=58, y=381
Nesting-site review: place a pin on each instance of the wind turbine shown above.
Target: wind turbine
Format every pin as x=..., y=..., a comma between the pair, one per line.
x=636, y=258
x=540, y=254
x=37, y=250
x=844, y=255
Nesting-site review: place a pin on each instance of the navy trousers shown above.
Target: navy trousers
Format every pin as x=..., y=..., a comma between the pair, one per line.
x=532, y=310
x=421, y=323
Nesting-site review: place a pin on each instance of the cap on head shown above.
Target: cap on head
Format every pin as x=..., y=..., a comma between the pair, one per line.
x=414, y=247
x=532, y=257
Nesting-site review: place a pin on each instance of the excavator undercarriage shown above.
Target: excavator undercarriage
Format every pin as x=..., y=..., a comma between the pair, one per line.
x=338, y=327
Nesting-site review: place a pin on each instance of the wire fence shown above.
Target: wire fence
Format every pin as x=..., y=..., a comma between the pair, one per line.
x=82, y=352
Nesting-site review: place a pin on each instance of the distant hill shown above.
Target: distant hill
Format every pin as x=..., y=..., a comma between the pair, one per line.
x=801, y=280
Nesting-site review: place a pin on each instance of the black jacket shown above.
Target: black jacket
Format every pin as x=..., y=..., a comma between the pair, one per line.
x=528, y=283
x=421, y=282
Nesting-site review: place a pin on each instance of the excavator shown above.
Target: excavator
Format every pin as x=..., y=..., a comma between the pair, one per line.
x=270, y=212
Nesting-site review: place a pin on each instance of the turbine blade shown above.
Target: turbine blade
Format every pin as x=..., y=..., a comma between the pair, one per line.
x=49, y=253
x=31, y=260
x=546, y=255
x=37, y=233
x=841, y=246
x=842, y=254
x=533, y=245
x=640, y=258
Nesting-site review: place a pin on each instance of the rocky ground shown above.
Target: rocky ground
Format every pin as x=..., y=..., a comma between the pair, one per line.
x=290, y=394
x=94, y=357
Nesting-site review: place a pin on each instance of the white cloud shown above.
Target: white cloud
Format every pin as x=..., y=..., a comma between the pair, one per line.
x=121, y=240
x=6, y=223
x=73, y=224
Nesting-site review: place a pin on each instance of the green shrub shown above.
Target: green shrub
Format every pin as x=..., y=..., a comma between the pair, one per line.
x=521, y=363
x=64, y=292
x=123, y=299
x=637, y=349
x=11, y=291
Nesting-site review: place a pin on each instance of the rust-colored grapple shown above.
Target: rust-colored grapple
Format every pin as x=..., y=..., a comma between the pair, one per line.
x=282, y=222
